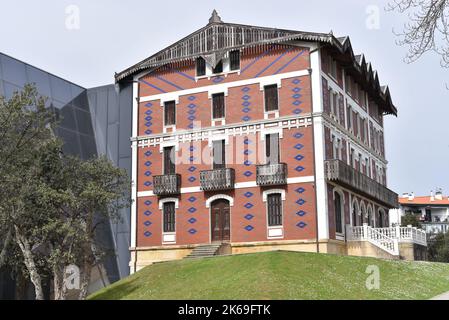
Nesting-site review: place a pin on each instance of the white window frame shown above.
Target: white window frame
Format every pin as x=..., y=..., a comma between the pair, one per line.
x=168, y=237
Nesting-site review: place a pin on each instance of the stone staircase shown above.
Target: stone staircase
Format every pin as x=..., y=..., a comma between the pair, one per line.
x=206, y=250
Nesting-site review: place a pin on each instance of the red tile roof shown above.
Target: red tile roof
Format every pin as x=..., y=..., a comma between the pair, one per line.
x=424, y=200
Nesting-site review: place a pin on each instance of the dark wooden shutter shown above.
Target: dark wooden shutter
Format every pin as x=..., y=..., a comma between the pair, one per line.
x=170, y=113
x=338, y=217
x=219, y=155
x=200, y=67
x=274, y=209
x=234, y=57
x=218, y=105
x=169, y=164
x=218, y=68
x=271, y=98
x=272, y=148
x=169, y=217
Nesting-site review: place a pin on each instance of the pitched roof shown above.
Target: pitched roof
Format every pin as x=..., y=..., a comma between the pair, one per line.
x=423, y=200
x=216, y=38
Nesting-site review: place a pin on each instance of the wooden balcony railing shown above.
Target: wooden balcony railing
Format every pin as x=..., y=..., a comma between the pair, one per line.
x=336, y=170
x=271, y=174
x=218, y=179
x=165, y=185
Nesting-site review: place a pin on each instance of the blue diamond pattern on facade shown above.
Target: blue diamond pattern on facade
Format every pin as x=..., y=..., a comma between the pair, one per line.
x=192, y=179
x=247, y=173
x=246, y=141
x=246, y=104
x=191, y=112
x=148, y=124
x=191, y=98
x=149, y=104
x=148, y=202
x=299, y=157
x=296, y=89
x=296, y=81
x=246, y=89
x=247, y=163
x=148, y=132
x=191, y=118
x=297, y=102
x=148, y=112
x=192, y=210
x=191, y=106
x=301, y=225
x=298, y=135
x=147, y=184
x=246, y=97
x=148, y=173
x=192, y=199
x=192, y=148
x=149, y=118
x=148, y=213
x=246, y=118
x=191, y=169
x=299, y=168
x=249, y=228
x=296, y=96
x=300, y=201
x=218, y=79
x=192, y=220
x=301, y=213
x=299, y=146
x=249, y=216
x=248, y=205
x=148, y=163
x=246, y=110
x=191, y=158
x=247, y=152
x=297, y=111
x=147, y=223
x=192, y=231
x=148, y=153
x=300, y=190
x=190, y=126
x=147, y=234
x=248, y=194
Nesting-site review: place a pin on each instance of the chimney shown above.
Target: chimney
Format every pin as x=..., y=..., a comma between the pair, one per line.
x=439, y=194
x=432, y=198
x=411, y=196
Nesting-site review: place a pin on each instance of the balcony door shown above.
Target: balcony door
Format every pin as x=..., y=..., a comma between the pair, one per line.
x=220, y=220
x=169, y=163
x=272, y=148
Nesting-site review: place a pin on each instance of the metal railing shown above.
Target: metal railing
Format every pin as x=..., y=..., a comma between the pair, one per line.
x=217, y=179
x=271, y=174
x=165, y=185
x=336, y=170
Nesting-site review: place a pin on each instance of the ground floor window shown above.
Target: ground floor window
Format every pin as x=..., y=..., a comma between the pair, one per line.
x=338, y=213
x=169, y=216
x=274, y=207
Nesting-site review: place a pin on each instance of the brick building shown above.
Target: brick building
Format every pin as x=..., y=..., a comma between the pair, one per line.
x=259, y=138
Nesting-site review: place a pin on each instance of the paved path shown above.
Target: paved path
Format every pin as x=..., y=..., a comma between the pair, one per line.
x=444, y=296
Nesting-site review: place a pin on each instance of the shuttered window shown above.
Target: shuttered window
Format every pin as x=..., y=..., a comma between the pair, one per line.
x=271, y=97
x=234, y=57
x=218, y=106
x=274, y=203
x=219, y=155
x=200, y=67
x=170, y=113
x=272, y=148
x=169, y=216
x=169, y=160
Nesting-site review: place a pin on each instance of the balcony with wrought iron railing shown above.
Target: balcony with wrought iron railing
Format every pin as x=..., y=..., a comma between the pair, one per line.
x=340, y=172
x=271, y=174
x=166, y=185
x=217, y=179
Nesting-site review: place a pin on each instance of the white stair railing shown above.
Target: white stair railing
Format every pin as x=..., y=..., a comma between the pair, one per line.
x=372, y=235
x=405, y=234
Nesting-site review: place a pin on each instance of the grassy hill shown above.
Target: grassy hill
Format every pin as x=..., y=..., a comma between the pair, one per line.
x=281, y=275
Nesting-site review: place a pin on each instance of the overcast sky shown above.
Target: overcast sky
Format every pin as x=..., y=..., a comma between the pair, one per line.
x=114, y=34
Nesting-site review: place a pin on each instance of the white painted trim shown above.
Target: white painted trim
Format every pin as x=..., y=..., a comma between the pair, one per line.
x=213, y=91
x=265, y=131
x=165, y=200
x=271, y=191
x=239, y=185
x=225, y=86
x=219, y=196
x=134, y=149
x=169, y=237
x=166, y=144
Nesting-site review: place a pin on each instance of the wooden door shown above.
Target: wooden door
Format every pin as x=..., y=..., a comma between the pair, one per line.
x=220, y=220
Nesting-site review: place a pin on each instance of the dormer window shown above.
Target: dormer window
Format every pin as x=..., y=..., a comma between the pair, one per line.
x=234, y=57
x=200, y=67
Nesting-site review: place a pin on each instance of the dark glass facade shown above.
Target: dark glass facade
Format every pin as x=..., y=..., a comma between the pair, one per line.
x=92, y=122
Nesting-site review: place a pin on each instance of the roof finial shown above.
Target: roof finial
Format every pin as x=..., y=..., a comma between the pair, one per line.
x=215, y=18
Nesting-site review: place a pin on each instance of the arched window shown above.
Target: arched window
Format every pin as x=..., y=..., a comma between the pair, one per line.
x=363, y=215
x=355, y=214
x=380, y=220
x=371, y=221
x=338, y=203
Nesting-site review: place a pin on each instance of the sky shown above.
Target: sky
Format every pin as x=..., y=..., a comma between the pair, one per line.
x=86, y=41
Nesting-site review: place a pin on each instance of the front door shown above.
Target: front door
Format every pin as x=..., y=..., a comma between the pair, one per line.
x=220, y=223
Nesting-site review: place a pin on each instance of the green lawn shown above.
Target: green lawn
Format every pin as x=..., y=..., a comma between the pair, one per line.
x=281, y=275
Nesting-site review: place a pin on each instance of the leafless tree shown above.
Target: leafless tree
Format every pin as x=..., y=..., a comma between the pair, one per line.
x=427, y=29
